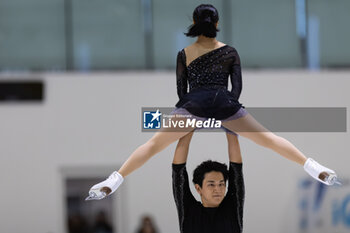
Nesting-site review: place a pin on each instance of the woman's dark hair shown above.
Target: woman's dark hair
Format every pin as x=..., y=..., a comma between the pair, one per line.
x=205, y=17
x=206, y=167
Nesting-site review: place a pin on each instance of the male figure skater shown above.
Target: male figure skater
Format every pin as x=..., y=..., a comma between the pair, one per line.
x=217, y=212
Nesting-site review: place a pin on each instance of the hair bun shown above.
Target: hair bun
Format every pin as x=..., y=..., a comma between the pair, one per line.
x=207, y=19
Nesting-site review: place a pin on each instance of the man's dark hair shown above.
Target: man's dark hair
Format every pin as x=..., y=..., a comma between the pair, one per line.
x=206, y=167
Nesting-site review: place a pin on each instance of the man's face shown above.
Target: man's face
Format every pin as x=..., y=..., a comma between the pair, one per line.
x=213, y=189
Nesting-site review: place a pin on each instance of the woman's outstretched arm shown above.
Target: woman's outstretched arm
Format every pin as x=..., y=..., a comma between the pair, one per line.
x=181, y=74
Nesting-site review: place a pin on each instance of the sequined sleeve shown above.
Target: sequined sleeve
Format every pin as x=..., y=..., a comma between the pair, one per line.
x=181, y=74
x=182, y=193
x=236, y=192
x=236, y=76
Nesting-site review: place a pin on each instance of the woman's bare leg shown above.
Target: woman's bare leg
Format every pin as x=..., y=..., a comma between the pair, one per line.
x=157, y=143
x=143, y=153
x=248, y=127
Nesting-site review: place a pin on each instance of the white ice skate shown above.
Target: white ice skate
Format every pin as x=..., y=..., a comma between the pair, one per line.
x=106, y=187
x=321, y=173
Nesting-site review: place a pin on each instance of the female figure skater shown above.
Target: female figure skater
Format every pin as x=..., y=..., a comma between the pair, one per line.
x=205, y=66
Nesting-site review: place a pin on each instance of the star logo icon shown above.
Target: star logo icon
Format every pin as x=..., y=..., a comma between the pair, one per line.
x=156, y=115
x=152, y=119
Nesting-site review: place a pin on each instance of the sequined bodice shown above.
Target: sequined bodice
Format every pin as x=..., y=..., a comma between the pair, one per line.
x=210, y=70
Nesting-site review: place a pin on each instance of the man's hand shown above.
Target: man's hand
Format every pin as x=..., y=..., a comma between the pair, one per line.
x=234, y=150
x=181, y=150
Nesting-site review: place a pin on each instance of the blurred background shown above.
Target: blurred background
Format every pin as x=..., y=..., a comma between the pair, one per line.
x=74, y=75
x=88, y=35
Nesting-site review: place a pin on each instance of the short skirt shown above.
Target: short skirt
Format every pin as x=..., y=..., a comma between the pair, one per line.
x=240, y=113
x=208, y=102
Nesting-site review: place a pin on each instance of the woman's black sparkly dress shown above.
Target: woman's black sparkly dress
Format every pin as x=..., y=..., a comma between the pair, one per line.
x=207, y=77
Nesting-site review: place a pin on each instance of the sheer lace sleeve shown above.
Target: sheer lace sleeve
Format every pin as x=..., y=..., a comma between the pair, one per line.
x=236, y=76
x=181, y=74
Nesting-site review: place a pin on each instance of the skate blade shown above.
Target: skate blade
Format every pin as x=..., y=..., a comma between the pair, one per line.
x=335, y=181
x=93, y=196
x=338, y=183
x=89, y=198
